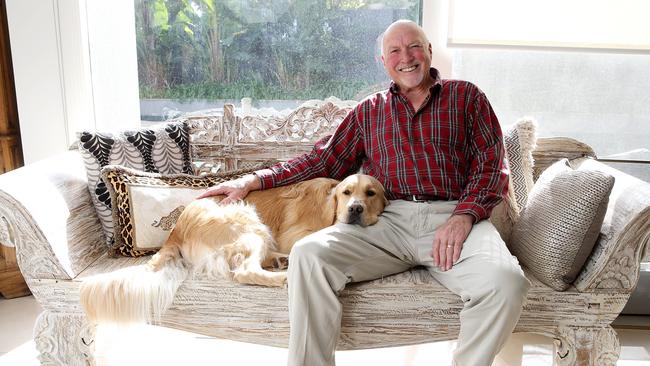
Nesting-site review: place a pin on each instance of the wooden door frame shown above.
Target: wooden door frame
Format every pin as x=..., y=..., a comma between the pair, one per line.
x=11, y=156
x=12, y=283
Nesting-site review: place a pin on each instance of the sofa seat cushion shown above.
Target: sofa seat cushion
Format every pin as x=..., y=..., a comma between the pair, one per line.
x=406, y=308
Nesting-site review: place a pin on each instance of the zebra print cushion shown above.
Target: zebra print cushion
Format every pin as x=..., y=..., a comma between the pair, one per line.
x=161, y=149
x=520, y=141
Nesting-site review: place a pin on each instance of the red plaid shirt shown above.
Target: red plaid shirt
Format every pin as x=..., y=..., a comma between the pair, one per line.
x=450, y=149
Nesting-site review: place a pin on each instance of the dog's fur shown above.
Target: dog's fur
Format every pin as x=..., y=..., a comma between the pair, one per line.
x=237, y=241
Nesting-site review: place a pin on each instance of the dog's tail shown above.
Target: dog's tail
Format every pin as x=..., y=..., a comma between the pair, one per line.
x=136, y=294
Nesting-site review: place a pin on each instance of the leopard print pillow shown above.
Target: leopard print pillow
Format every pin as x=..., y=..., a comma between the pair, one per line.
x=146, y=205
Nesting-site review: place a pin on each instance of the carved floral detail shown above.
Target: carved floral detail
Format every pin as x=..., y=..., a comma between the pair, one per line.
x=312, y=120
x=205, y=129
x=615, y=264
x=622, y=269
x=64, y=339
x=33, y=253
x=6, y=233
x=307, y=123
x=607, y=347
x=600, y=345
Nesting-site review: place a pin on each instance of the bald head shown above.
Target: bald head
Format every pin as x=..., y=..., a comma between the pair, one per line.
x=399, y=26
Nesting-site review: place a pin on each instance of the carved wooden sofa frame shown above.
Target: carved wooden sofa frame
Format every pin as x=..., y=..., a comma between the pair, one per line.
x=47, y=214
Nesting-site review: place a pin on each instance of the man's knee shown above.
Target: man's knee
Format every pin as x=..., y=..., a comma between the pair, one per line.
x=509, y=285
x=305, y=248
x=306, y=253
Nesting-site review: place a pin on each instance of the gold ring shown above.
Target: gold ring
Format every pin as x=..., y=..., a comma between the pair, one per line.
x=449, y=246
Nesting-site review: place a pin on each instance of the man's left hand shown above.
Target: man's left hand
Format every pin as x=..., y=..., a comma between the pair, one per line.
x=449, y=239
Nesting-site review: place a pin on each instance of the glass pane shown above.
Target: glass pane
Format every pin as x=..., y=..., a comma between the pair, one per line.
x=600, y=98
x=198, y=54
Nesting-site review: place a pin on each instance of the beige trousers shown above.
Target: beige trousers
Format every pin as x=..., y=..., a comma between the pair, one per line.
x=486, y=277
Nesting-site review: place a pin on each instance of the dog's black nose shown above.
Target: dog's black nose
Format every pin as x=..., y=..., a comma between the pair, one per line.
x=355, y=208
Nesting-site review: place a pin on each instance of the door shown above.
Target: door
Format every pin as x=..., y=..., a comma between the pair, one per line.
x=11, y=156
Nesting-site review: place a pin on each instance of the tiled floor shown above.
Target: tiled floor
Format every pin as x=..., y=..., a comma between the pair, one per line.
x=160, y=346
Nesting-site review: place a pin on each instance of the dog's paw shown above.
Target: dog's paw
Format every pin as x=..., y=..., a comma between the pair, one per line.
x=281, y=263
x=283, y=280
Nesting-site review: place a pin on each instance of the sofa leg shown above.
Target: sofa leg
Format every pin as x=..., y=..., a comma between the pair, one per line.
x=64, y=339
x=586, y=346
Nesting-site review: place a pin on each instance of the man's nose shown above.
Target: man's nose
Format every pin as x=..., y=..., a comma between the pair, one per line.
x=406, y=55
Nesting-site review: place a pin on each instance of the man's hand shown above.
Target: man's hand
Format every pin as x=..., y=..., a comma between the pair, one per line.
x=449, y=239
x=234, y=190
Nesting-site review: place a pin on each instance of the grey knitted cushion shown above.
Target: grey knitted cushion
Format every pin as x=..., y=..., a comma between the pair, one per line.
x=560, y=223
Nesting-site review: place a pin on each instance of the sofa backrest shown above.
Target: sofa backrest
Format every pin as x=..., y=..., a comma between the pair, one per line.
x=235, y=141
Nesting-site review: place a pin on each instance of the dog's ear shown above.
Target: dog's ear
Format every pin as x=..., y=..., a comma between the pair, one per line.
x=383, y=194
x=332, y=204
x=380, y=187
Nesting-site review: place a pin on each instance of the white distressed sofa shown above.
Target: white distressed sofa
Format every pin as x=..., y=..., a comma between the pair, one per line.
x=47, y=214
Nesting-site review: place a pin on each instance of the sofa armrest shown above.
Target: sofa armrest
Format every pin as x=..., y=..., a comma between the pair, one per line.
x=614, y=263
x=548, y=150
x=46, y=212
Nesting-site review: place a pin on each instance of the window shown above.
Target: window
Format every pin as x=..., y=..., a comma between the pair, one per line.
x=198, y=54
x=586, y=24
x=581, y=74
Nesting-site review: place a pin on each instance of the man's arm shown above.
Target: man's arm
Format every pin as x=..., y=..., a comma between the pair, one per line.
x=487, y=179
x=333, y=156
x=235, y=190
x=487, y=182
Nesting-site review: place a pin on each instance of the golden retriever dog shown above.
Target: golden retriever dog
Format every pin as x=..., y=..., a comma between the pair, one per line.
x=240, y=241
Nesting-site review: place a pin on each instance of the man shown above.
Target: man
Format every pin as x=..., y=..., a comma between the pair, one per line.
x=437, y=147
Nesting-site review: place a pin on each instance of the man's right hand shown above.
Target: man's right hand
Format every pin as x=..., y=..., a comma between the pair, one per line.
x=234, y=190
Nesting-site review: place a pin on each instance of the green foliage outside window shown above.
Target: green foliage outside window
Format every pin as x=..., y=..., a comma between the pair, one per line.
x=263, y=49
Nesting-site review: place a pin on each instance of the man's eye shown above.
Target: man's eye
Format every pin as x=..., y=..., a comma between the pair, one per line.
x=370, y=193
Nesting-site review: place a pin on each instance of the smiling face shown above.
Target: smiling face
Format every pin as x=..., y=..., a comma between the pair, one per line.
x=360, y=200
x=406, y=55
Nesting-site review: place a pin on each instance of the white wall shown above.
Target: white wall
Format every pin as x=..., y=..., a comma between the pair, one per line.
x=114, y=63
x=70, y=76
x=434, y=23
x=35, y=48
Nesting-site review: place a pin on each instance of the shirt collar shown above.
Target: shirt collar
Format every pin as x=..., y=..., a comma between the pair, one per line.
x=394, y=88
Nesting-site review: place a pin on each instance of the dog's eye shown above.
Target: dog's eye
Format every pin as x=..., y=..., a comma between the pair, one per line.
x=346, y=192
x=370, y=193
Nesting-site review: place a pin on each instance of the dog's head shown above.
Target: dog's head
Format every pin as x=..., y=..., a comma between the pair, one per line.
x=360, y=199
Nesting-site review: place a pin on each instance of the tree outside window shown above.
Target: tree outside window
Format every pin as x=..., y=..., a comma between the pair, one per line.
x=267, y=50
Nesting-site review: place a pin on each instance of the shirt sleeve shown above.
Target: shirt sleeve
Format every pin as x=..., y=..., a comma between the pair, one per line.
x=488, y=172
x=334, y=156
